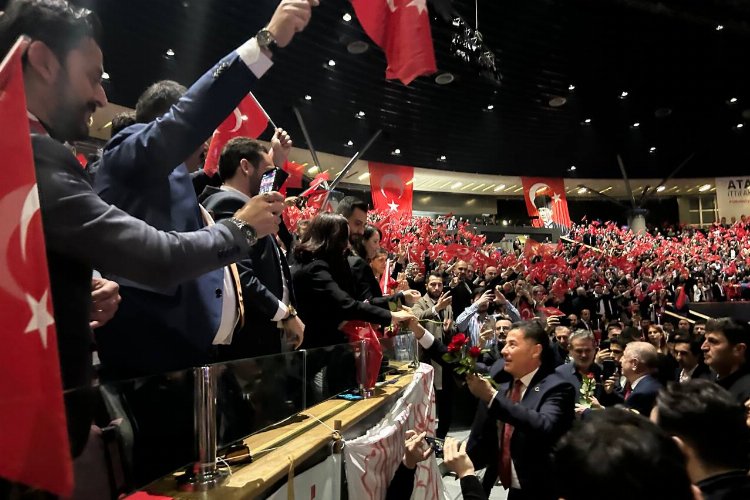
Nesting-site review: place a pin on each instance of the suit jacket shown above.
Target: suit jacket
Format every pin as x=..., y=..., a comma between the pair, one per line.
x=326, y=298
x=142, y=172
x=262, y=276
x=82, y=232
x=545, y=413
x=702, y=371
x=423, y=311
x=716, y=291
x=738, y=383
x=643, y=397
x=570, y=373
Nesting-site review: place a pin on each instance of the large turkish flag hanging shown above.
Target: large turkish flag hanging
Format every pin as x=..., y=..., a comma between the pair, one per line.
x=247, y=120
x=391, y=187
x=34, y=446
x=402, y=29
x=546, y=202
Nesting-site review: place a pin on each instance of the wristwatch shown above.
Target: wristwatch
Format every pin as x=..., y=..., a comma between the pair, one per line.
x=246, y=229
x=292, y=313
x=266, y=40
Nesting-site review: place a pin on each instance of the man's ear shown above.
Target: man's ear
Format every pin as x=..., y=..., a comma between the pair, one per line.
x=245, y=166
x=43, y=61
x=741, y=348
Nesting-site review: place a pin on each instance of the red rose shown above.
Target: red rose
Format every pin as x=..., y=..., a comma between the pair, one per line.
x=454, y=348
x=475, y=351
x=590, y=375
x=459, y=339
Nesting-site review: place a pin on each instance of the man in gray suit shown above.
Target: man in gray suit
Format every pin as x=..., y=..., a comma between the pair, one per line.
x=62, y=78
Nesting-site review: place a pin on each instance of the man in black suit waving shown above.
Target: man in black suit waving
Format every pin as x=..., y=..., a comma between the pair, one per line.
x=517, y=424
x=265, y=278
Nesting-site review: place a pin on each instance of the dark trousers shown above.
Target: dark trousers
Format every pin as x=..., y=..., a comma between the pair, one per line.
x=516, y=494
x=444, y=407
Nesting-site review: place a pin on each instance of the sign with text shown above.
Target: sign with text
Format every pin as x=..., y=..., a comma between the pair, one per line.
x=733, y=197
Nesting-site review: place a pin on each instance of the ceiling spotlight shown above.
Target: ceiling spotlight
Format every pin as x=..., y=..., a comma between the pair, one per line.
x=350, y=144
x=396, y=152
x=444, y=78
x=490, y=107
x=571, y=87
x=660, y=189
x=623, y=95
x=505, y=222
x=557, y=102
x=704, y=188
x=457, y=185
x=732, y=100
x=357, y=47
x=331, y=63
x=170, y=53
x=347, y=17
x=739, y=125
x=719, y=27
x=587, y=120
x=364, y=176
x=636, y=125
x=499, y=188
x=360, y=114
x=652, y=149
x=572, y=168
x=308, y=97
x=442, y=158
x=582, y=190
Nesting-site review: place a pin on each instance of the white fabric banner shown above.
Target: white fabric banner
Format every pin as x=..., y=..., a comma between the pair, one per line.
x=733, y=197
x=371, y=460
x=322, y=482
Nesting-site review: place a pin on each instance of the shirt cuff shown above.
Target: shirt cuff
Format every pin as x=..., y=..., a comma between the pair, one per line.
x=427, y=340
x=281, y=312
x=256, y=60
x=492, y=399
x=434, y=311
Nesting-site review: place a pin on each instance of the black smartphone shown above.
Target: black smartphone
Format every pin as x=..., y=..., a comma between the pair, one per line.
x=609, y=367
x=272, y=180
x=564, y=321
x=436, y=444
x=605, y=344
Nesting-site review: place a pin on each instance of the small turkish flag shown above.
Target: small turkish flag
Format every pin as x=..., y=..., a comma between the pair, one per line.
x=247, y=120
x=402, y=29
x=33, y=432
x=391, y=187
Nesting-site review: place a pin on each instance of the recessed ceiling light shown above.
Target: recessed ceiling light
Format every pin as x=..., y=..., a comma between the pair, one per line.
x=557, y=102
x=170, y=53
x=490, y=107
x=360, y=114
x=350, y=143
x=652, y=149
x=442, y=158
x=105, y=76
x=444, y=78
x=364, y=176
x=704, y=187
x=740, y=125
x=331, y=63
x=719, y=27
x=572, y=168
x=308, y=97
x=505, y=222
x=457, y=185
x=357, y=47
x=396, y=152
x=623, y=95
x=571, y=87
x=499, y=188
x=636, y=125
x=347, y=17
x=587, y=120
x=582, y=190
x=733, y=100
x=660, y=189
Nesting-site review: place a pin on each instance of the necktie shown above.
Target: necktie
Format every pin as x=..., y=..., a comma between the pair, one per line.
x=505, y=459
x=628, y=390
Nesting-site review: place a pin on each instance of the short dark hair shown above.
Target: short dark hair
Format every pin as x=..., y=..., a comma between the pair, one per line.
x=616, y=446
x=156, y=100
x=708, y=418
x=121, y=121
x=695, y=345
x=237, y=149
x=349, y=204
x=326, y=238
x=435, y=274
x=735, y=330
x=535, y=331
x=58, y=24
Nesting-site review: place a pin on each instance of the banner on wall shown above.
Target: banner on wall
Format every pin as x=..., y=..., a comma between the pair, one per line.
x=733, y=197
x=371, y=460
x=391, y=187
x=546, y=202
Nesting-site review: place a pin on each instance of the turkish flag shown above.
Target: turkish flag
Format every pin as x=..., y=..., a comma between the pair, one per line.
x=296, y=172
x=33, y=432
x=391, y=187
x=247, y=120
x=547, y=195
x=316, y=194
x=402, y=29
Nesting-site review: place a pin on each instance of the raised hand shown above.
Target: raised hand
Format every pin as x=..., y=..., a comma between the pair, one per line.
x=291, y=17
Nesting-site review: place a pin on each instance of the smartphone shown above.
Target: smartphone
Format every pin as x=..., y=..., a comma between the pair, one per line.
x=605, y=344
x=436, y=444
x=564, y=321
x=272, y=180
x=609, y=367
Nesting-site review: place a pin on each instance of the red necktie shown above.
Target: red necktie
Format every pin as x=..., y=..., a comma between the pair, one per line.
x=628, y=390
x=505, y=460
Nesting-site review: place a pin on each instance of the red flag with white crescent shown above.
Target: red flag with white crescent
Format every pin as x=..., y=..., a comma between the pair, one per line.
x=247, y=120
x=546, y=202
x=391, y=187
x=34, y=448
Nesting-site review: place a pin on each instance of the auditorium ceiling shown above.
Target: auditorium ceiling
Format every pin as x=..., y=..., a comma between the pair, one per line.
x=582, y=80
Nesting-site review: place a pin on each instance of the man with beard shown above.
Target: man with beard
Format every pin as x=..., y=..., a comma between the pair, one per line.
x=436, y=314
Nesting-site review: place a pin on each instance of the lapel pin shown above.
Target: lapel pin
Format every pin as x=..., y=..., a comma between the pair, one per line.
x=536, y=389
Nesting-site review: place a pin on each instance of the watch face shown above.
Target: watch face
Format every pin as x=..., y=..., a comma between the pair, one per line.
x=264, y=38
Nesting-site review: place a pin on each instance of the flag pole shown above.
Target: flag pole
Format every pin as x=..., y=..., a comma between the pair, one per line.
x=354, y=159
x=307, y=136
x=260, y=106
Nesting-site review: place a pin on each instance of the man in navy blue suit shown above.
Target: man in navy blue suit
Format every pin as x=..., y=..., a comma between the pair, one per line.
x=517, y=424
x=638, y=362
x=145, y=170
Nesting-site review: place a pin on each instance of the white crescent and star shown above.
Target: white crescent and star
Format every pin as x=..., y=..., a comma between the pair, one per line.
x=538, y=187
x=238, y=120
x=398, y=183
x=420, y=5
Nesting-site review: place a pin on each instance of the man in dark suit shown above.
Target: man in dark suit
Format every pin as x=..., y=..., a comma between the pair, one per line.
x=638, y=363
x=582, y=348
x=690, y=358
x=83, y=232
x=719, y=291
x=145, y=170
x=533, y=406
x=265, y=278
x=725, y=351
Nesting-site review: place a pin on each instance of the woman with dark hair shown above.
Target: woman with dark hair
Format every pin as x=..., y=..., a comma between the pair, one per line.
x=325, y=291
x=666, y=363
x=367, y=247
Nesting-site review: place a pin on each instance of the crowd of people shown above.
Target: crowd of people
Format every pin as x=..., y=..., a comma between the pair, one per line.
x=185, y=277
